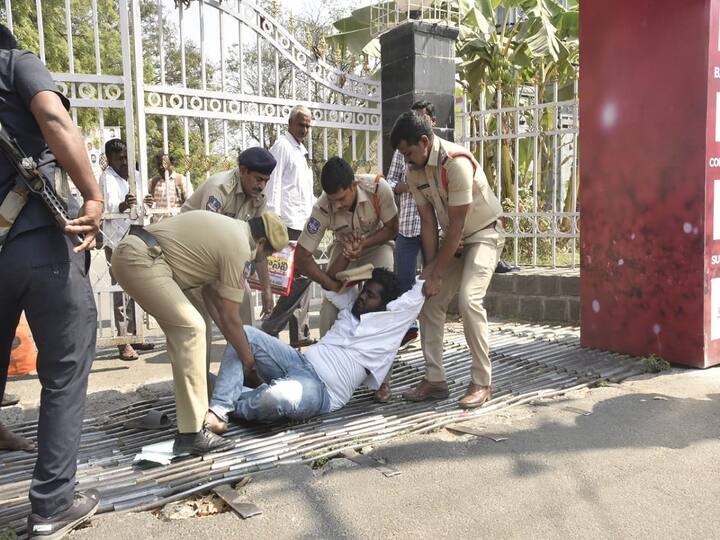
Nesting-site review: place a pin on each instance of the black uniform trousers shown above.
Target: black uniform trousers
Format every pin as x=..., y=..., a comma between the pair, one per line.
x=40, y=274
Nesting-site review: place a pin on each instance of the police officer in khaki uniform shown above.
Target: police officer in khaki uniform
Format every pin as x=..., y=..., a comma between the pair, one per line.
x=237, y=193
x=195, y=249
x=450, y=188
x=363, y=207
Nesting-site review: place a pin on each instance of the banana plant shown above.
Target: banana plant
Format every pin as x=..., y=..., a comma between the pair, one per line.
x=505, y=44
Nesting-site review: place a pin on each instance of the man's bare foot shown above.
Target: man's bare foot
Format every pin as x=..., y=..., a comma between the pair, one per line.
x=215, y=423
x=11, y=441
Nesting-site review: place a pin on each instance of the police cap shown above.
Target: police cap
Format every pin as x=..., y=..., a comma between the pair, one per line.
x=275, y=230
x=257, y=159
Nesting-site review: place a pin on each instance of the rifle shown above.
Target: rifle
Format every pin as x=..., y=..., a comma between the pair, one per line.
x=30, y=179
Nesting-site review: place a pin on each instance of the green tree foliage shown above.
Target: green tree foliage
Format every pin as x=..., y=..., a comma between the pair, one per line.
x=57, y=41
x=309, y=30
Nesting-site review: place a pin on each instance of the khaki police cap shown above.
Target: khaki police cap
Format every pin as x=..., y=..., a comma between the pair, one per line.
x=275, y=230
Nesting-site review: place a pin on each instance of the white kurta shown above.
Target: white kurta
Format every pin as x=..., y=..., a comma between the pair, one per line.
x=357, y=351
x=289, y=192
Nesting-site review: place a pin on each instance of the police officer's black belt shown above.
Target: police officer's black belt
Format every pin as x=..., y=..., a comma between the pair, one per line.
x=144, y=235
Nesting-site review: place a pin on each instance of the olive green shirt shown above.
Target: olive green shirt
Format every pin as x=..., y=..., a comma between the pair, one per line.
x=465, y=185
x=222, y=193
x=375, y=205
x=203, y=248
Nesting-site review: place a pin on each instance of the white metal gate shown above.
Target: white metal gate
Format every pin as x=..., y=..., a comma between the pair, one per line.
x=202, y=81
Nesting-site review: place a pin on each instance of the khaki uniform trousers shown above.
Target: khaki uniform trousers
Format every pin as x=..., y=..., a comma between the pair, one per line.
x=382, y=256
x=468, y=275
x=246, y=314
x=145, y=275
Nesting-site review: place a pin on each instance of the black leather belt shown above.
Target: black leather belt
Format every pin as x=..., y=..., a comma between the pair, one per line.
x=144, y=235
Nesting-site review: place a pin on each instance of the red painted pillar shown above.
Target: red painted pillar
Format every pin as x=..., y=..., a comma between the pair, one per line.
x=650, y=164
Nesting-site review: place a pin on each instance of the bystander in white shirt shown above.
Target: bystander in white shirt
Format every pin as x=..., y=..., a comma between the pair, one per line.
x=358, y=351
x=115, y=188
x=289, y=192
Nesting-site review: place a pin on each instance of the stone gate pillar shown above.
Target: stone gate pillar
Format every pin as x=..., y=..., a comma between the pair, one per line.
x=417, y=62
x=650, y=168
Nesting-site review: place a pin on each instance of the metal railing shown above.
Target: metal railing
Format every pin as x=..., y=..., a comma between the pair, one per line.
x=201, y=81
x=527, y=143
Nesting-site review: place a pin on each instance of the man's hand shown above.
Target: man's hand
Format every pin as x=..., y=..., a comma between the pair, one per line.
x=87, y=223
x=427, y=270
x=353, y=246
x=129, y=201
x=432, y=286
x=400, y=188
x=149, y=200
x=459, y=250
x=267, y=304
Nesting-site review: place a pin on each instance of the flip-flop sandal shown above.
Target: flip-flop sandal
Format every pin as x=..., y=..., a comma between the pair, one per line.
x=128, y=357
x=9, y=399
x=150, y=420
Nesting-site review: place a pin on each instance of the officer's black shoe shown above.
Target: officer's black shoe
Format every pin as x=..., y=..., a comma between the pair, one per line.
x=202, y=442
x=85, y=504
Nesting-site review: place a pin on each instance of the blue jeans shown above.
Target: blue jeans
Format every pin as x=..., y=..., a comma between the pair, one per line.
x=295, y=390
x=406, y=254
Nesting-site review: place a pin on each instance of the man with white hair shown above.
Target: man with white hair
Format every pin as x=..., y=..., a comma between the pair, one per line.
x=289, y=194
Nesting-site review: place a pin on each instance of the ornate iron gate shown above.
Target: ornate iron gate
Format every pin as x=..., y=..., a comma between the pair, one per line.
x=214, y=76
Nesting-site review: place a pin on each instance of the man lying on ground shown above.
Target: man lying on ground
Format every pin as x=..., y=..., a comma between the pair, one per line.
x=358, y=349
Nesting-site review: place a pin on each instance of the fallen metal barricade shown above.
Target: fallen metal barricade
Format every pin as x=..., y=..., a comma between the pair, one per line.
x=529, y=362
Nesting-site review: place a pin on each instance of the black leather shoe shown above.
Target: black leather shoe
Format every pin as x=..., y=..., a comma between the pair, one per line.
x=202, y=442
x=84, y=505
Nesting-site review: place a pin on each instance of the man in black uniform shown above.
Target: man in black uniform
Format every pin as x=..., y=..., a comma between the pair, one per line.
x=43, y=275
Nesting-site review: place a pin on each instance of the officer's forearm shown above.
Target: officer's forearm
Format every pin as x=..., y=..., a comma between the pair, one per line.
x=263, y=275
x=428, y=233
x=338, y=265
x=235, y=336
x=447, y=250
x=388, y=232
x=64, y=139
x=210, y=298
x=451, y=243
x=226, y=315
x=307, y=266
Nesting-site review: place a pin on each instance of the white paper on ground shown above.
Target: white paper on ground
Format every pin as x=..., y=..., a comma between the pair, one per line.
x=161, y=453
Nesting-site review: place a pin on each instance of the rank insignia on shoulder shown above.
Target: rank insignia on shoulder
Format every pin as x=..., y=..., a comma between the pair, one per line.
x=213, y=204
x=313, y=225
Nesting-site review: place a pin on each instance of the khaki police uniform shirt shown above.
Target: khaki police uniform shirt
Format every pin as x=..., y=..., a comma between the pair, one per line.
x=364, y=218
x=223, y=193
x=203, y=248
x=464, y=187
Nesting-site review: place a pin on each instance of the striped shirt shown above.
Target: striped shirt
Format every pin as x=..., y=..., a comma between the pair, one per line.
x=409, y=216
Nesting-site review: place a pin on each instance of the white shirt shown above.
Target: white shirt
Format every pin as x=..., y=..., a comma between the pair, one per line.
x=289, y=192
x=114, y=188
x=357, y=351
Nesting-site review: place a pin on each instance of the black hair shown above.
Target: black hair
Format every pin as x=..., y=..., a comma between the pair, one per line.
x=410, y=127
x=7, y=38
x=336, y=174
x=257, y=230
x=159, y=159
x=115, y=146
x=426, y=105
x=389, y=283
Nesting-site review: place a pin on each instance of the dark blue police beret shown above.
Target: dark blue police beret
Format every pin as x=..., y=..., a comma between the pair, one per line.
x=257, y=159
